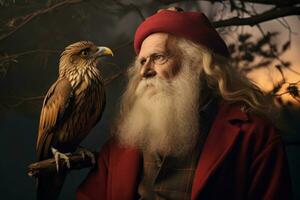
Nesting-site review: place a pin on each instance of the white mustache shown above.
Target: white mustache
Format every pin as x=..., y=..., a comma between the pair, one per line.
x=159, y=85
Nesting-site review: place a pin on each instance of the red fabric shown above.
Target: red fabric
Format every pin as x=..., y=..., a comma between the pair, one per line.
x=243, y=158
x=190, y=25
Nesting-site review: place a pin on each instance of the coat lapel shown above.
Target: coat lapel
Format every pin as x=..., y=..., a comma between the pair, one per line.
x=125, y=165
x=218, y=144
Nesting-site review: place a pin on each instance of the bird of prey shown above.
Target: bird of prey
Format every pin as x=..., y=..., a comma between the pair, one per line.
x=72, y=107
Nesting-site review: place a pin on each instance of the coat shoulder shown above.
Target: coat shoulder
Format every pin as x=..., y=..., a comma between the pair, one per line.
x=251, y=124
x=256, y=132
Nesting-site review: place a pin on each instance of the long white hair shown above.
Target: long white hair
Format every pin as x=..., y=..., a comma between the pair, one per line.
x=220, y=77
x=169, y=122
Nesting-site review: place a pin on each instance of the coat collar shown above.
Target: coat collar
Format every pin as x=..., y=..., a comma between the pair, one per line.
x=126, y=163
x=220, y=140
x=124, y=178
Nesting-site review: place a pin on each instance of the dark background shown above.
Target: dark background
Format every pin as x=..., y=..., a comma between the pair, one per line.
x=33, y=33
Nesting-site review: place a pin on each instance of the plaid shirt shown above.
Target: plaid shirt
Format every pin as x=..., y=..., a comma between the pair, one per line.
x=166, y=177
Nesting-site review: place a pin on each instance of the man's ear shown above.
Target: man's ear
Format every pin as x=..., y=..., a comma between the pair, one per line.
x=176, y=9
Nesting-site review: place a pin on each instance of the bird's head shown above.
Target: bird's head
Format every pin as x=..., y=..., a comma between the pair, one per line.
x=81, y=55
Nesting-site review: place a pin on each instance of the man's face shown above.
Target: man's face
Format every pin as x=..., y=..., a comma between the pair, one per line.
x=157, y=57
x=160, y=106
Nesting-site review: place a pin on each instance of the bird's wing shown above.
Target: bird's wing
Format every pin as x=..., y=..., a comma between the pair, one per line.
x=56, y=102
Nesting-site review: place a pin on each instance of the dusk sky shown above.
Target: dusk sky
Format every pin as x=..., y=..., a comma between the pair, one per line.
x=267, y=76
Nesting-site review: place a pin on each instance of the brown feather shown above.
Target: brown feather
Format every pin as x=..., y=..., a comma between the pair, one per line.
x=71, y=108
x=54, y=106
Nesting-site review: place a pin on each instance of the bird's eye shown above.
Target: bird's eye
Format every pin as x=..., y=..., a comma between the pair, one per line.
x=85, y=52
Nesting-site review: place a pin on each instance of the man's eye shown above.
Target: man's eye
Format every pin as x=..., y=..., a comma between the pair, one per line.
x=143, y=61
x=158, y=57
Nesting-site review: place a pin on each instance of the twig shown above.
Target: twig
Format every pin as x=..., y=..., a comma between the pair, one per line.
x=40, y=98
x=292, y=70
x=31, y=16
x=130, y=42
x=281, y=94
x=24, y=99
x=47, y=166
x=131, y=6
x=138, y=10
x=113, y=77
x=4, y=58
x=265, y=16
x=265, y=2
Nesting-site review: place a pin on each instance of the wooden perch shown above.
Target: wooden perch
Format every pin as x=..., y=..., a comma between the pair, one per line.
x=49, y=165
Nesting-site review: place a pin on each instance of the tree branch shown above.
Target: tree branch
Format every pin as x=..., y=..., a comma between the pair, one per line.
x=47, y=166
x=265, y=16
x=25, y=99
x=114, y=76
x=31, y=16
x=14, y=56
x=266, y=2
x=131, y=6
x=22, y=100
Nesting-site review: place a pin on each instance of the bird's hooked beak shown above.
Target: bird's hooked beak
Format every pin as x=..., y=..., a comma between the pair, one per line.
x=104, y=51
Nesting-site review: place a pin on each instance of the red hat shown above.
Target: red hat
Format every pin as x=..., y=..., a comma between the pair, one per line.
x=190, y=25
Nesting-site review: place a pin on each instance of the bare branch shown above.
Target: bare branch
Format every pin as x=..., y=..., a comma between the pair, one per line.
x=266, y=2
x=22, y=100
x=131, y=6
x=77, y=161
x=31, y=16
x=115, y=76
x=274, y=13
x=14, y=56
x=126, y=44
x=294, y=71
x=25, y=99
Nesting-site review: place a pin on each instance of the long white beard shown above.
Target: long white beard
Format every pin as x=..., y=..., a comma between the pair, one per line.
x=164, y=115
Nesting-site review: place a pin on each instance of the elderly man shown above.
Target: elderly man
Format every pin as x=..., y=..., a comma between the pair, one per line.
x=190, y=127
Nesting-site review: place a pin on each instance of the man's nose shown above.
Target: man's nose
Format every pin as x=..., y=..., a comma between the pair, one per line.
x=147, y=70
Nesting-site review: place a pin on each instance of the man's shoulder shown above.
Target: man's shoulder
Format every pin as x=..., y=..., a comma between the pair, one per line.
x=251, y=124
x=257, y=132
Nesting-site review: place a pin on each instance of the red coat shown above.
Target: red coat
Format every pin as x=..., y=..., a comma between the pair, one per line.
x=243, y=158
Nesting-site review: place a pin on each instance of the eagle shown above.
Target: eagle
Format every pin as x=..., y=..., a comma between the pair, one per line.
x=72, y=107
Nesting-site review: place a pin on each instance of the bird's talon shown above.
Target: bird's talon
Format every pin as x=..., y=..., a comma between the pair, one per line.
x=58, y=155
x=82, y=154
x=85, y=152
x=68, y=163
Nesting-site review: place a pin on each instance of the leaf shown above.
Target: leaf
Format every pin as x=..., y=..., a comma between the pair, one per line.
x=231, y=48
x=273, y=48
x=266, y=39
x=293, y=90
x=276, y=88
x=254, y=48
x=248, y=56
x=244, y=37
x=286, y=45
x=278, y=67
x=287, y=64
